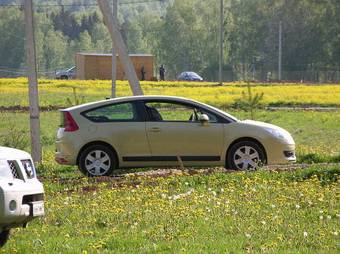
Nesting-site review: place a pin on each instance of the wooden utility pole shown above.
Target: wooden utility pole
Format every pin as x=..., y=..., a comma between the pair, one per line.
x=117, y=40
x=114, y=58
x=280, y=52
x=32, y=82
x=220, y=78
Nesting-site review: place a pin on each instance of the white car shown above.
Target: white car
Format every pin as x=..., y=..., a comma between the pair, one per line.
x=21, y=193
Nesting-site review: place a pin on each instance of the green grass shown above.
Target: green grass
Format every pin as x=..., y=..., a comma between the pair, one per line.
x=261, y=212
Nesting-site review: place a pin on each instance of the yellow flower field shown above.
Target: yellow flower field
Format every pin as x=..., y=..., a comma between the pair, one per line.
x=55, y=92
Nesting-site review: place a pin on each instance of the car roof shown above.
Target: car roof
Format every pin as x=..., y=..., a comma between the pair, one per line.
x=84, y=107
x=127, y=99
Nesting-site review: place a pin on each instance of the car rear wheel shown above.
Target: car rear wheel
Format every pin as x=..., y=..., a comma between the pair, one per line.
x=97, y=160
x=4, y=235
x=245, y=155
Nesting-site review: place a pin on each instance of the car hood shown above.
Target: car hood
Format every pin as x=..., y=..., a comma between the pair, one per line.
x=7, y=153
x=263, y=124
x=270, y=129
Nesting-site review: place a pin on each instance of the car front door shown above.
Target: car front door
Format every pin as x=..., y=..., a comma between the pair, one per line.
x=173, y=130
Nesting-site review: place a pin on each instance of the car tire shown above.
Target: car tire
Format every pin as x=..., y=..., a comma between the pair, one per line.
x=97, y=160
x=245, y=155
x=4, y=235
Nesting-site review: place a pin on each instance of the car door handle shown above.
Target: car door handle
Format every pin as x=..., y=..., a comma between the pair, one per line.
x=155, y=129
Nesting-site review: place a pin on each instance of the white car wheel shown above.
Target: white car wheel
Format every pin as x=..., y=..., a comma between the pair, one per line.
x=245, y=155
x=97, y=160
x=246, y=158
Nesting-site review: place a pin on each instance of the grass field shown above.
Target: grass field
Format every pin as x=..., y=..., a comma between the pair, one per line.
x=260, y=212
x=56, y=92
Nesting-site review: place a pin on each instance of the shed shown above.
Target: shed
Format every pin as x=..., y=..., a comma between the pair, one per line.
x=99, y=66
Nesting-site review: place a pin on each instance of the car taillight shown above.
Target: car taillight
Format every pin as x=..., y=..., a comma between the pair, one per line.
x=69, y=123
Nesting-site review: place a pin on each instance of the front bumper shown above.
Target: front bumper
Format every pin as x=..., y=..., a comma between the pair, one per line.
x=280, y=153
x=20, y=202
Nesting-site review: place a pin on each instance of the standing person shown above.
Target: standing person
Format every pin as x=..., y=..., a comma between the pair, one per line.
x=162, y=73
x=143, y=72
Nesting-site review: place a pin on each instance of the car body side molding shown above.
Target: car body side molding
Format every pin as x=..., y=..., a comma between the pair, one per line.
x=171, y=158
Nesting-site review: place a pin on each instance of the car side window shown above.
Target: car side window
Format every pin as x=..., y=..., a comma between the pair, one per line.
x=112, y=113
x=168, y=111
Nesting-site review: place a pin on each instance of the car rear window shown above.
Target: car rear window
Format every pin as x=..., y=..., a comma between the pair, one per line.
x=112, y=113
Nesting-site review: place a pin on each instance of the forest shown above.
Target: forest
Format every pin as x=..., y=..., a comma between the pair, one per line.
x=184, y=36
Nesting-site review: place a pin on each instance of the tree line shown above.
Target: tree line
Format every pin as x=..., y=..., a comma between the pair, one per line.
x=184, y=35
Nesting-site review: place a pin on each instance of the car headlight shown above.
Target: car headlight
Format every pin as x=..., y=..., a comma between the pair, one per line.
x=282, y=135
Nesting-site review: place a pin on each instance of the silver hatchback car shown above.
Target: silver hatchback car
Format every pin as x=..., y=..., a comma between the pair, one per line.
x=157, y=131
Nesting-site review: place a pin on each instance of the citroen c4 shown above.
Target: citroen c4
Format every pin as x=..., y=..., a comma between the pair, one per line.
x=157, y=131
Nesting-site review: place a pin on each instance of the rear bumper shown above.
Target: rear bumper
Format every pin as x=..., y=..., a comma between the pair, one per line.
x=65, y=153
x=20, y=202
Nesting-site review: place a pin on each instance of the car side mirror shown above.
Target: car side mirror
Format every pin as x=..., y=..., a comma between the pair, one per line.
x=203, y=118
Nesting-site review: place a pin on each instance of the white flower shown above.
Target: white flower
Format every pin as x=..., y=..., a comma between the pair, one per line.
x=321, y=217
x=335, y=233
x=222, y=190
x=186, y=183
x=273, y=206
x=209, y=189
x=305, y=234
x=263, y=222
x=214, y=193
x=247, y=235
x=297, y=206
x=329, y=217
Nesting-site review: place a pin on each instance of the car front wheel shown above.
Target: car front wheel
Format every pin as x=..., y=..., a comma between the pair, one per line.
x=245, y=155
x=97, y=160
